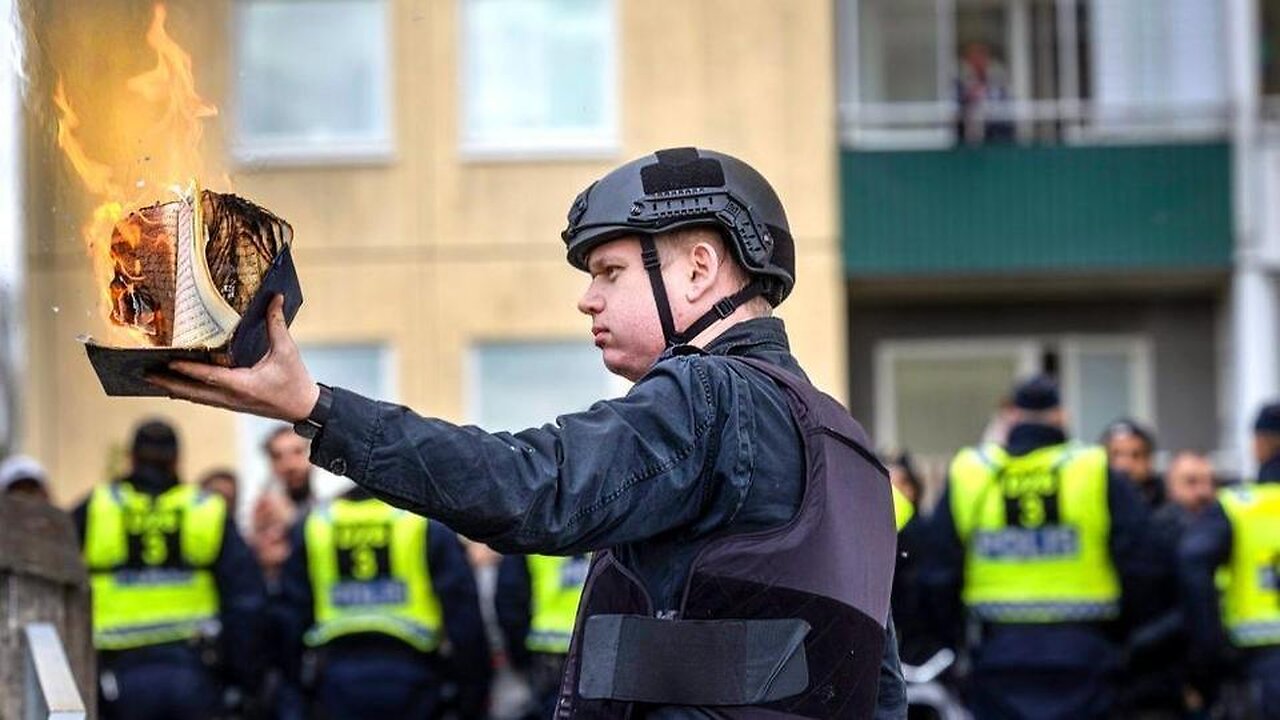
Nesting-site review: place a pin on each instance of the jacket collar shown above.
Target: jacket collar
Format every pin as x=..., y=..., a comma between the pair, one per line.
x=750, y=337
x=1029, y=437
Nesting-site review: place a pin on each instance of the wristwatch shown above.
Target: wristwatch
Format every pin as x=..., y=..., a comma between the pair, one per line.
x=314, y=423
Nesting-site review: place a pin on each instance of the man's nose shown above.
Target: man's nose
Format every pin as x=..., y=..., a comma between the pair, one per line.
x=590, y=302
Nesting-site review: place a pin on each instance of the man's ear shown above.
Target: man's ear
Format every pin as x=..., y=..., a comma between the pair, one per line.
x=704, y=268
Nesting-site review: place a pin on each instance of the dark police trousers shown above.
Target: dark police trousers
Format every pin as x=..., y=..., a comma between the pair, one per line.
x=156, y=683
x=1044, y=672
x=357, y=680
x=1263, y=673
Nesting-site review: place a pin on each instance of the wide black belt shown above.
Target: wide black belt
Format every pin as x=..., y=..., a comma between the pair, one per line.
x=636, y=658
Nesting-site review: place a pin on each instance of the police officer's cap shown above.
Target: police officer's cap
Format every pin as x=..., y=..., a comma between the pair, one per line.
x=1268, y=420
x=1037, y=393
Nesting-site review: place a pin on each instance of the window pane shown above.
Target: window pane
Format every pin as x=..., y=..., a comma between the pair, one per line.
x=944, y=404
x=1105, y=391
x=1157, y=52
x=312, y=72
x=536, y=70
x=521, y=385
x=899, y=50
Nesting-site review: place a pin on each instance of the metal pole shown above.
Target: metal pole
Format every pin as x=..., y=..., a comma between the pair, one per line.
x=1254, y=373
x=51, y=692
x=12, y=266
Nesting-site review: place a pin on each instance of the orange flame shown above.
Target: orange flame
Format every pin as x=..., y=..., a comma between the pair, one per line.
x=96, y=176
x=171, y=157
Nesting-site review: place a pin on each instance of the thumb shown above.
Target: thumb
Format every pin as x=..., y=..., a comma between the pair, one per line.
x=277, y=328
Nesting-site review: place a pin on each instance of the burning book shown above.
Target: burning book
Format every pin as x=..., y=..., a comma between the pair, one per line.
x=194, y=277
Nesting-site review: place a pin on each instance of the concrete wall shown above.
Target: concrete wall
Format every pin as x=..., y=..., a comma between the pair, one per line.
x=431, y=252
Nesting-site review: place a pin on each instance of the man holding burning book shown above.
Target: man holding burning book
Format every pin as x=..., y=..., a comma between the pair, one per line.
x=720, y=581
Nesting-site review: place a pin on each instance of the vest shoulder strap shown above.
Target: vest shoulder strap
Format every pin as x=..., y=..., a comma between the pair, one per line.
x=815, y=410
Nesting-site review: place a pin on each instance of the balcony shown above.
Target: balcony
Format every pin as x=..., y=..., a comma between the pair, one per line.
x=1009, y=210
x=1010, y=137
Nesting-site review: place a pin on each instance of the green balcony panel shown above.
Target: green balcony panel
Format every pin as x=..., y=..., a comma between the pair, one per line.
x=1006, y=210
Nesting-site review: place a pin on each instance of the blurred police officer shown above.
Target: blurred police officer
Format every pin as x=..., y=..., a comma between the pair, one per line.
x=1237, y=624
x=536, y=602
x=177, y=597
x=745, y=531
x=1131, y=449
x=371, y=593
x=1033, y=539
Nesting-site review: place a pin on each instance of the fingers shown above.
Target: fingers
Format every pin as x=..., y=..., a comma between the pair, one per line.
x=208, y=374
x=186, y=389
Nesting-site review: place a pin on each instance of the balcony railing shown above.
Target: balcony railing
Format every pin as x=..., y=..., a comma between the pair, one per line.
x=937, y=124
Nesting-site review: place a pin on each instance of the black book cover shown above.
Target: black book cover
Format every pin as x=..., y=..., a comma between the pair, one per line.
x=121, y=370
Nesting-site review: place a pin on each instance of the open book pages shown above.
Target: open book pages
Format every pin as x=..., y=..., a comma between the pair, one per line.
x=186, y=270
x=201, y=316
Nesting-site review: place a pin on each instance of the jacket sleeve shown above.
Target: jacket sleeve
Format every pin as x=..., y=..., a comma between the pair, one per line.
x=455, y=586
x=512, y=603
x=622, y=471
x=941, y=574
x=243, y=601
x=1205, y=546
x=891, y=698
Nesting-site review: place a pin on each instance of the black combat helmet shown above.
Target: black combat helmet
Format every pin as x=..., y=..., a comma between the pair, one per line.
x=686, y=187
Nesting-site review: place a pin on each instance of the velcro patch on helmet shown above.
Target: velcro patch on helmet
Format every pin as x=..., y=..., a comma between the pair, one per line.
x=680, y=169
x=576, y=211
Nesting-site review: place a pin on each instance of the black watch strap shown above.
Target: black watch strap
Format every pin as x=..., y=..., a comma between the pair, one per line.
x=314, y=423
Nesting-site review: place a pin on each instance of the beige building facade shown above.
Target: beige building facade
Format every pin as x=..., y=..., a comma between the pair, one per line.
x=431, y=252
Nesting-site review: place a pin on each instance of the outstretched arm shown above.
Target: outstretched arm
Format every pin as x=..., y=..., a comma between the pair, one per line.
x=622, y=471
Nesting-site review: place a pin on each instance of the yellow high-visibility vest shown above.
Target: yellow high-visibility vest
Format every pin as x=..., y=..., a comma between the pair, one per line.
x=369, y=574
x=555, y=589
x=150, y=564
x=903, y=510
x=1251, y=590
x=1035, y=530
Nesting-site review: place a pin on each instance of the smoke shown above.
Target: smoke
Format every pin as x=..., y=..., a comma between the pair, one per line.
x=13, y=43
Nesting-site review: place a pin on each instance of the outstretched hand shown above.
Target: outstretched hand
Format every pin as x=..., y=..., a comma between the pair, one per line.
x=278, y=386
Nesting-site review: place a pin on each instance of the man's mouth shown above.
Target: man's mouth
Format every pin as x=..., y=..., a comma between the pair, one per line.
x=599, y=334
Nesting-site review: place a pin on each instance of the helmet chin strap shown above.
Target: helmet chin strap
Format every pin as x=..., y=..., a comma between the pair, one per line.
x=723, y=308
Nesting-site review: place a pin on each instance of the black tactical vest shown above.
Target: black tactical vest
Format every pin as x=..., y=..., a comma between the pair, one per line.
x=785, y=622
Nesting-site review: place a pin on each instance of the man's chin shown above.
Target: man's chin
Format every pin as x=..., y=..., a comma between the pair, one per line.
x=620, y=365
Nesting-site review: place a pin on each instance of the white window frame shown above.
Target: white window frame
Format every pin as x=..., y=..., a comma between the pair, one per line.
x=249, y=153
x=1141, y=373
x=535, y=145
x=888, y=352
x=616, y=385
